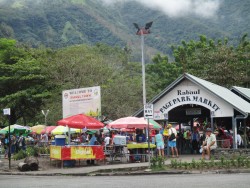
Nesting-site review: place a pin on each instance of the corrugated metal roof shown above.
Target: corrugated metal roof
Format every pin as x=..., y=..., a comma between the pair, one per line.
x=225, y=94
x=243, y=91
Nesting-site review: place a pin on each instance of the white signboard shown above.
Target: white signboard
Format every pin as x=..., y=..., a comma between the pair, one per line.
x=82, y=101
x=6, y=111
x=149, y=111
x=188, y=92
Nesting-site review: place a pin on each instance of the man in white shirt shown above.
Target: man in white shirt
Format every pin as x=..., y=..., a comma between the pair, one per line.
x=209, y=144
x=107, y=140
x=239, y=140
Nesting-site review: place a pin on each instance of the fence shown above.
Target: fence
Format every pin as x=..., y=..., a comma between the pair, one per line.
x=223, y=143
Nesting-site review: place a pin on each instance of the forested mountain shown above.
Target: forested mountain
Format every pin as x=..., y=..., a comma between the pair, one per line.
x=47, y=46
x=61, y=23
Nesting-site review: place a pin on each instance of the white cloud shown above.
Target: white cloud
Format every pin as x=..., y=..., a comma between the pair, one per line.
x=178, y=8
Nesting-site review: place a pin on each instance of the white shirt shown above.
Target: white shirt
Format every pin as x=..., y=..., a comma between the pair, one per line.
x=210, y=139
x=172, y=130
x=239, y=140
x=107, y=140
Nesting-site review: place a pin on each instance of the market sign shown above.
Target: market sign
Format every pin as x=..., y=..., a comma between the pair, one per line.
x=55, y=152
x=193, y=111
x=76, y=152
x=82, y=101
x=188, y=93
x=82, y=152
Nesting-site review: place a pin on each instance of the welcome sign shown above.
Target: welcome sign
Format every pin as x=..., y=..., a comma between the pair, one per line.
x=82, y=101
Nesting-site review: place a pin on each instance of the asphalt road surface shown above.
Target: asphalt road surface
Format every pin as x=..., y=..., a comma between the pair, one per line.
x=148, y=181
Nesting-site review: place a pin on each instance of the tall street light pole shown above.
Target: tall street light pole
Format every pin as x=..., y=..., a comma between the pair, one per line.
x=45, y=113
x=141, y=32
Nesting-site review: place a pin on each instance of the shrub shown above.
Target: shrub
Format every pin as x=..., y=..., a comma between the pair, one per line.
x=160, y=161
x=193, y=164
x=20, y=155
x=44, y=150
x=153, y=162
x=157, y=162
x=174, y=163
x=32, y=151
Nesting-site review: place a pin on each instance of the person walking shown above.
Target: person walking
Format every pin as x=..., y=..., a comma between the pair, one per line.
x=21, y=142
x=195, y=139
x=159, y=143
x=172, y=142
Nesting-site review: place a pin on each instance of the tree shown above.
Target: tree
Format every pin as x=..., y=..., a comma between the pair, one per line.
x=217, y=62
x=101, y=65
x=160, y=74
x=22, y=86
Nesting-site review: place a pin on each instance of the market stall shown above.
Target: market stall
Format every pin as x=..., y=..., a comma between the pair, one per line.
x=68, y=153
x=138, y=151
x=79, y=152
x=117, y=149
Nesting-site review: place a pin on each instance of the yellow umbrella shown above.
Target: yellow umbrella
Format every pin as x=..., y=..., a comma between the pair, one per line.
x=38, y=128
x=63, y=130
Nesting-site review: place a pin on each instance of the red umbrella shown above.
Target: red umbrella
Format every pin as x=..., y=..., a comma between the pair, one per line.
x=48, y=129
x=81, y=121
x=130, y=123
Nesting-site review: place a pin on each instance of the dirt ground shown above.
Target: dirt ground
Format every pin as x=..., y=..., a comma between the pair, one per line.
x=44, y=164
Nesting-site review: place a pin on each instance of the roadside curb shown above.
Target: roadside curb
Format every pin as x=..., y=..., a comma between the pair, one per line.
x=170, y=172
x=131, y=173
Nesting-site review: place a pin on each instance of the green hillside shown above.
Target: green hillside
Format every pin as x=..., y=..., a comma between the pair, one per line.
x=61, y=23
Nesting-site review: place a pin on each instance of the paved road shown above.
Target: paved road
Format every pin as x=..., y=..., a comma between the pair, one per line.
x=155, y=181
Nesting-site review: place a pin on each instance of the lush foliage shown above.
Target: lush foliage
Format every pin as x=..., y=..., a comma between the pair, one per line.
x=31, y=151
x=33, y=79
x=237, y=162
x=22, y=84
x=100, y=65
x=157, y=163
x=20, y=155
x=216, y=61
x=61, y=23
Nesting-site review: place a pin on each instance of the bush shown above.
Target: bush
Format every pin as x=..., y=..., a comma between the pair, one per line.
x=44, y=150
x=153, y=162
x=157, y=162
x=240, y=162
x=20, y=155
x=32, y=151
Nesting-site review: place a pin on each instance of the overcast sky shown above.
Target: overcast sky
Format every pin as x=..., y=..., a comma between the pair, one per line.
x=178, y=8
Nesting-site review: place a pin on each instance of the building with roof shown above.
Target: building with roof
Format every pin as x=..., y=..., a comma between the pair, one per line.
x=242, y=92
x=190, y=99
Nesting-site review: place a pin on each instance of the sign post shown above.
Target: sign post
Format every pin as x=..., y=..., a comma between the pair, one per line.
x=6, y=112
x=148, y=114
x=212, y=120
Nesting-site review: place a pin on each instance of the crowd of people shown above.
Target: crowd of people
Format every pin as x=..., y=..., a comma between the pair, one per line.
x=197, y=141
x=180, y=142
x=16, y=143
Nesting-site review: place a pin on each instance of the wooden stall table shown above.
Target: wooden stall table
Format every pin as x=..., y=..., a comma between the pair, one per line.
x=137, y=151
